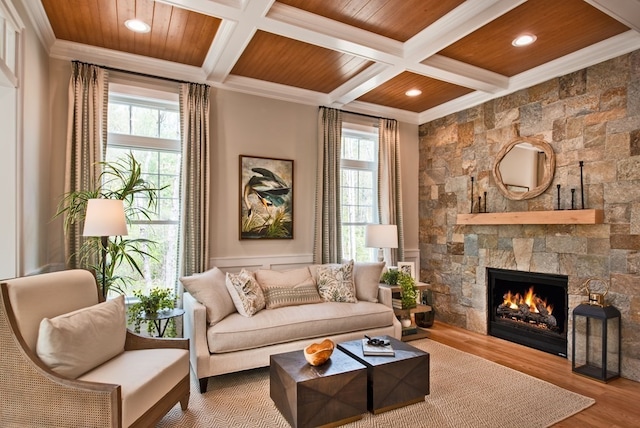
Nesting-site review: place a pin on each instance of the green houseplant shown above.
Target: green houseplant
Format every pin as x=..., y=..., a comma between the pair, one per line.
x=150, y=304
x=390, y=277
x=121, y=179
x=409, y=291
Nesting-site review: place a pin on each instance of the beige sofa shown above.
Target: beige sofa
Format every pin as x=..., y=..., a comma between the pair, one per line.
x=223, y=340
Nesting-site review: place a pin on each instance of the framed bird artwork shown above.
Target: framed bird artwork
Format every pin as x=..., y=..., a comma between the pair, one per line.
x=266, y=198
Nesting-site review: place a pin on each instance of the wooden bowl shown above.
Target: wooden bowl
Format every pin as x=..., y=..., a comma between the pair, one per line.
x=317, y=354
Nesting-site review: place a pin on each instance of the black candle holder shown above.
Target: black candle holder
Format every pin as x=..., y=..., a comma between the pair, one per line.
x=471, y=211
x=559, y=197
x=581, y=163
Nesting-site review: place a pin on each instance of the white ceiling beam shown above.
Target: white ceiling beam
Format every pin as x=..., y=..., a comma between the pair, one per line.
x=460, y=73
x=297, y=24
x=238, y=39
x=625, y=11
x=461, y=21
x=219, y=9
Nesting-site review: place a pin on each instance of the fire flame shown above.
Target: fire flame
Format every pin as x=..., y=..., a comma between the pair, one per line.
x=513, y=301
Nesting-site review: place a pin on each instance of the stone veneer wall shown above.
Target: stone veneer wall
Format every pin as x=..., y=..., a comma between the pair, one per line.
x=591, y=115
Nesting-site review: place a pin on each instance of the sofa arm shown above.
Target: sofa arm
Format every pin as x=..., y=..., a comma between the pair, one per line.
x=195, y=329
x=384, y=295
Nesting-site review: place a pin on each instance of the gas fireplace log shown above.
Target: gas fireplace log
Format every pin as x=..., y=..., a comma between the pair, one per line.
x=524, y=314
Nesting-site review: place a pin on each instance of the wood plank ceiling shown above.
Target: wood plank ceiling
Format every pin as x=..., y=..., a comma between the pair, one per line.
x=360, y=55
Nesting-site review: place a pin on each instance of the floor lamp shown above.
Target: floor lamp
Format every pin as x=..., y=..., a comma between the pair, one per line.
x=104, y=218
x=381, y=236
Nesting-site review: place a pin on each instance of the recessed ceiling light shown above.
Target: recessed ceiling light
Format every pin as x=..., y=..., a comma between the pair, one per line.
x=137, y=26
x=523, y=40
x=413, y=92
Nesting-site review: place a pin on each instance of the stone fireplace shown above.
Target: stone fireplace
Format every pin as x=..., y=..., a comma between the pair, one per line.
x=528, y=308
x=591, y=115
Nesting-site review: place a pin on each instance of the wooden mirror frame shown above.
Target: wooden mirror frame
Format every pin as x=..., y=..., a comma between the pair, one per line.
x=549, y=168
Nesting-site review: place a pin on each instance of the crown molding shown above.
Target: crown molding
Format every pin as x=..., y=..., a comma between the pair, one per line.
x=40, y=21
x=70, y=51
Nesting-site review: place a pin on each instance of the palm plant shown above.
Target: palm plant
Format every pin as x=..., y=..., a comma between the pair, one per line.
x=121, y=179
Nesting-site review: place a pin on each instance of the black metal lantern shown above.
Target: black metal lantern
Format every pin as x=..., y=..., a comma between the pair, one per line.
x=596, y=341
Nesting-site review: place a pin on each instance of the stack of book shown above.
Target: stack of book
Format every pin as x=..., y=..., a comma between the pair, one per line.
x=396, y=303
x=371, y=350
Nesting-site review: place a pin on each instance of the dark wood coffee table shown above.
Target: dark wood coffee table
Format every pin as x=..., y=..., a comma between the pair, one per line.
x=332, y=394
x=396, y=381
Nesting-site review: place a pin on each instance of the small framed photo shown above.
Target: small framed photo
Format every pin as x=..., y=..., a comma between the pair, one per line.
x=408, y=267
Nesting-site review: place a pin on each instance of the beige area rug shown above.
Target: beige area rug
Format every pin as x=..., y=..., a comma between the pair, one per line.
x=466, y=391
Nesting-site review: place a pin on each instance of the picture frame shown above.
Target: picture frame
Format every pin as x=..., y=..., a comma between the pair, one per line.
x=408, y=267
x=266, y=198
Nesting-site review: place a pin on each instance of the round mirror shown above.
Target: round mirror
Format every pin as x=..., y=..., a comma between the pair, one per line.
x=524, y=168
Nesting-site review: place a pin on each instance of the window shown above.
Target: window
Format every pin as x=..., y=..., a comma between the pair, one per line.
x=359, y=191
x=149, y=128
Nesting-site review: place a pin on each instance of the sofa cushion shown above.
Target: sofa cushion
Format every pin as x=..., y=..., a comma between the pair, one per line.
x=335, y=284
x=74, y=343
x=245, y=292
x=210, y=289
x=293, y=323
x=366, y=277
x=145, y=376
x=287, y=288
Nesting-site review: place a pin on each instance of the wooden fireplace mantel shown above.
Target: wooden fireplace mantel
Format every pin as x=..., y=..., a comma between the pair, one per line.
x=590, y=216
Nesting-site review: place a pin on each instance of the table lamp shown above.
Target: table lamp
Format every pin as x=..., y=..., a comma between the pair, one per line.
x=104, y=218
x=381, y=236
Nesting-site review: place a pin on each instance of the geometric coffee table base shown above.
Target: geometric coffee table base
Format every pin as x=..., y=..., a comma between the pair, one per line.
x=396, y=381
x=328, y=395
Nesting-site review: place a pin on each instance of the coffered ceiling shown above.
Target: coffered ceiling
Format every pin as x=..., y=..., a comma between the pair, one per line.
x=358, y=55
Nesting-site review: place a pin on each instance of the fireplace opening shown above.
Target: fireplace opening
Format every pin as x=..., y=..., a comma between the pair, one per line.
x=528, y=308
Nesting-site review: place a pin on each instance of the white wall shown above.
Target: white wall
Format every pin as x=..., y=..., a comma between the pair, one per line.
x=9, y=180
x=248, y=125
x=35, y=154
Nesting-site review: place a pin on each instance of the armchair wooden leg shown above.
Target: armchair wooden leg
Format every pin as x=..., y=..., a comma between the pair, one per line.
x=184, y=402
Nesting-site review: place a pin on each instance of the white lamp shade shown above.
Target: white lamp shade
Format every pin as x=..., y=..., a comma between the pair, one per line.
x=105, y=217
x=381, y=236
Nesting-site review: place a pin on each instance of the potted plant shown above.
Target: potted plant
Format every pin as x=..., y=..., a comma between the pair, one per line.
x=150, y=304
x=390, y=277
x=121, y=179
x=408, y=290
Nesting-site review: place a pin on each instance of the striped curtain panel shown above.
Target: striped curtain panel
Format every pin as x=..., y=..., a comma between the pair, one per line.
x=86, y=140
x=389, y=185
x=327, y=246
x=195, y=191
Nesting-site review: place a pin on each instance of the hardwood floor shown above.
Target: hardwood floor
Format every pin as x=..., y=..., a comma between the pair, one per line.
x=617, y=402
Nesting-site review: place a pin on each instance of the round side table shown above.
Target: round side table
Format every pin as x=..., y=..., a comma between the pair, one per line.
x=161, y=318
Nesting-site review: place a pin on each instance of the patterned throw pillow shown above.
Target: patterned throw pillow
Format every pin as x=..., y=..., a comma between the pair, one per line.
x=245, y=292
x=287, y=288
x=335, y=284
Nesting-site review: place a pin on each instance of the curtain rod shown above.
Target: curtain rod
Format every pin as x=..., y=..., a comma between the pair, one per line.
x=135, y=73
x=367, y=115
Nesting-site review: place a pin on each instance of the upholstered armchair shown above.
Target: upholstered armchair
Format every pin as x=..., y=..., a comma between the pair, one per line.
x=69, y=361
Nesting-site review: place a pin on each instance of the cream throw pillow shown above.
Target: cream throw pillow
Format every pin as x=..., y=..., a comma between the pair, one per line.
x=245, y=292
x=335, y=284
x=75, y=343
x=366, y=277
x=210, y=289
x=287, y=288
